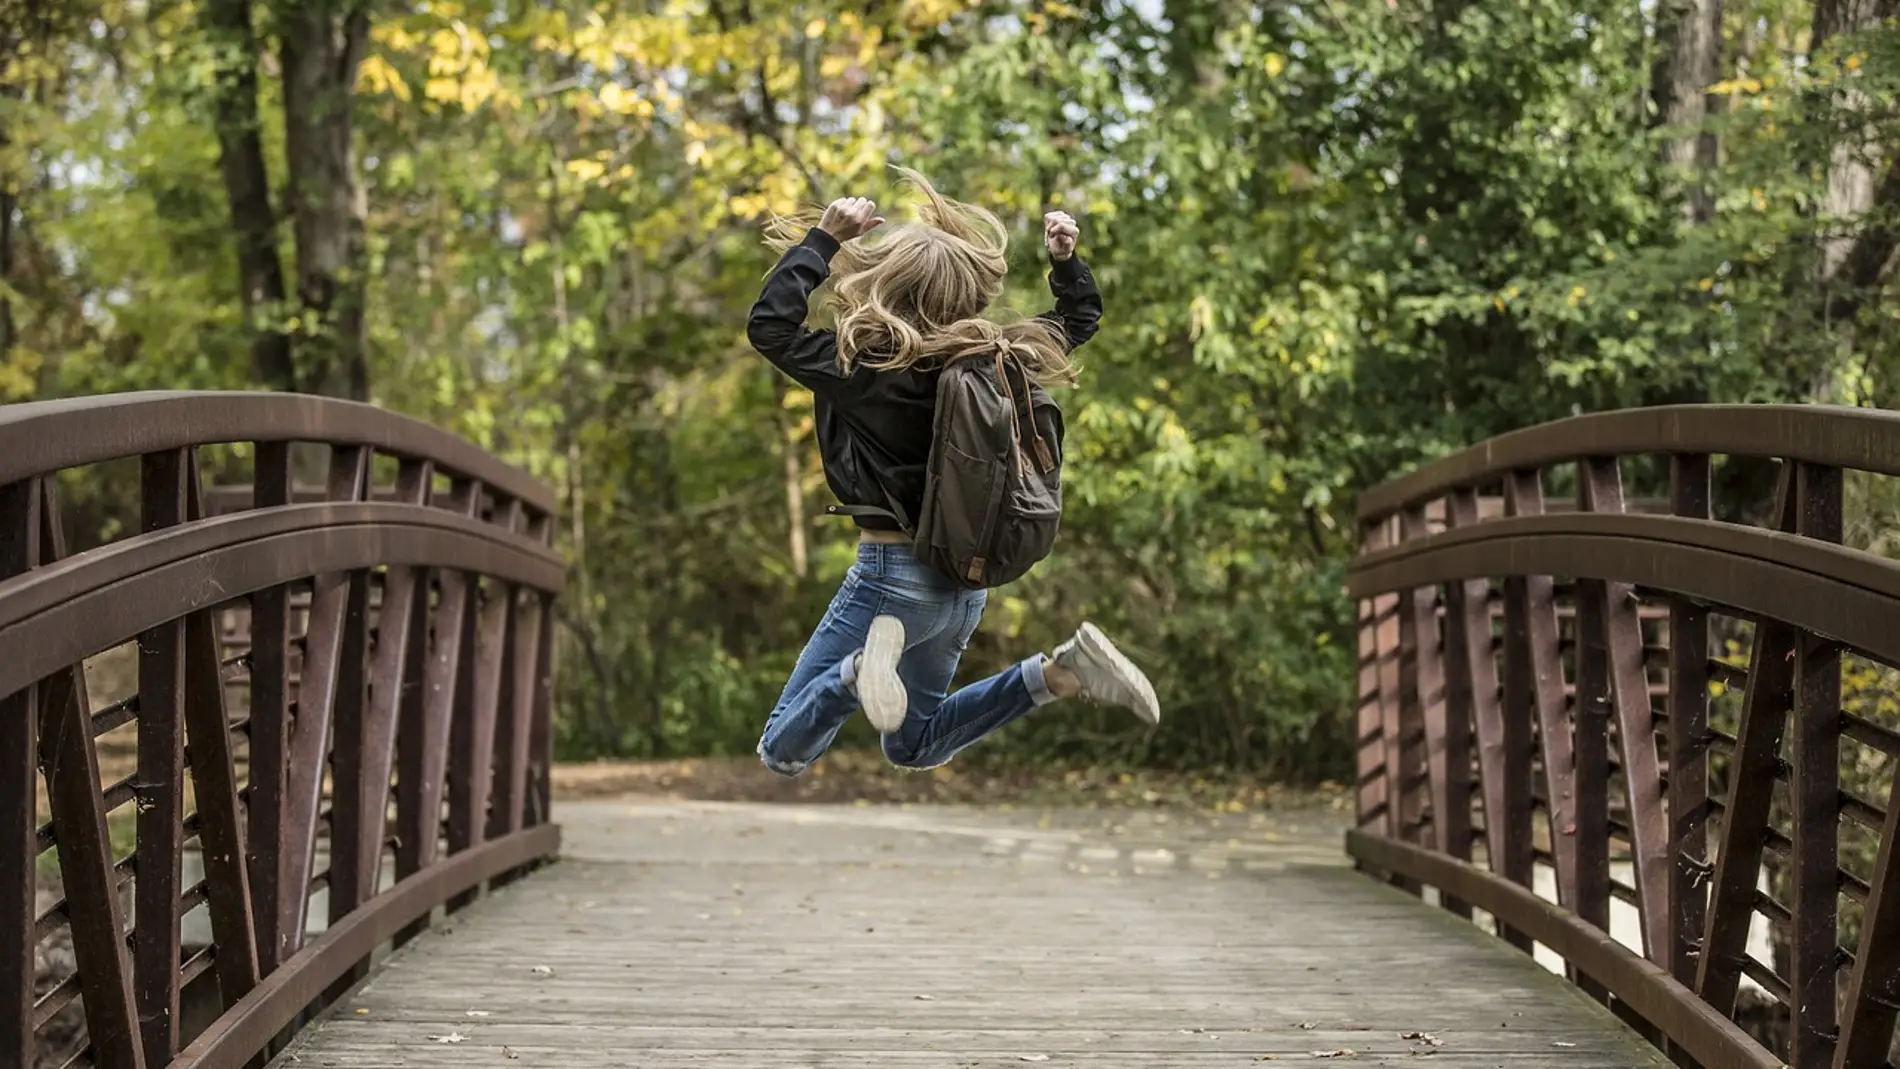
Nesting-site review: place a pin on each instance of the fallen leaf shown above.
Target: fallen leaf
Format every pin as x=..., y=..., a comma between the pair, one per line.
x=477, y=1013
x=509, y=1053
x=452, y=1037
x=1032, y=1057
x=362, y=1010
x=1308, y=1026
x=543, y=970
x=1340, y=1053
x=1422, y=1037
x=926, y=998
x=1561, y=1043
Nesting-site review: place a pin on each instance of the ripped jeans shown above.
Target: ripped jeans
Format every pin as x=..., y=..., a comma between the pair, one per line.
x=938, y=618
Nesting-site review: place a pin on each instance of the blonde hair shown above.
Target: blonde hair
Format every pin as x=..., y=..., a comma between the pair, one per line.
x=915, y=294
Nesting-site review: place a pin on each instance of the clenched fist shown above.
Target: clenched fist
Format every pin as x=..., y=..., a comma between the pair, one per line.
x=1059, y=233
x=850, y=217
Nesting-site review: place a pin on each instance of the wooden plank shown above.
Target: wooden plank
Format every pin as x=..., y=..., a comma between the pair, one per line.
x=1622, y=638
x=1688, y=741
x=70, y=764
x=1752, y=771
x=215, y=789
x=1815, y=789
x=1533, y=665
x=19, y=801
x=270, y=728
x=160, y=789
x=722, y=936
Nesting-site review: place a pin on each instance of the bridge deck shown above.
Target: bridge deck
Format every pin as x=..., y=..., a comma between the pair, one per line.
x=723, y=937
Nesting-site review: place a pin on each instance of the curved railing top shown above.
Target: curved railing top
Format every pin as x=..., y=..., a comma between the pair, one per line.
x=1649, y=715
x=44, y=436
x=366, y=641
x=1832, y=435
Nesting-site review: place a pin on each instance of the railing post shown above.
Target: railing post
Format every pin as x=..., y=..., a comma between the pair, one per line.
x=1446, y=731
x=270, y=725
x=19, y=802
x=1534, y=685
x=1372, y=762
x=1504, y=757
x=1814, y=785
x=1688, y=741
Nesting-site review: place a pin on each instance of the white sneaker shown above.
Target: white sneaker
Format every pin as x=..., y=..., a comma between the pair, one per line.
x=880, y=691
x=1107, y=676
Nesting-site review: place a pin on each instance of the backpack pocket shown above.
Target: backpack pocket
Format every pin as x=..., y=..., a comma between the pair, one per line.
x=972, y=488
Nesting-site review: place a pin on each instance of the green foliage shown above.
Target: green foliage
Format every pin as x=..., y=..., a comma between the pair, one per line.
x=1334, y=239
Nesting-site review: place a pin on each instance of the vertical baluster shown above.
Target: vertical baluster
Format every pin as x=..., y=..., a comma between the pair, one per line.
x=19, y=804
x=512, y=744
x=542, y=742
x=1688, y=739
x=1621, y=635
x=215, y=789
x=70, y=764
x=1873, y=990
x=330, y=689
x=1372, y=767
x=472, y=738
x=1504, y=759
x=1535, y=684
x=270, y=724
x=1590, y=726
x=1447, y=730
x=160, y=789
x=1750, y=790
x=1815, y=788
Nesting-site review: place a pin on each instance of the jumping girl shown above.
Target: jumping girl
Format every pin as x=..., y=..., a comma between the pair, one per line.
x=907, y=304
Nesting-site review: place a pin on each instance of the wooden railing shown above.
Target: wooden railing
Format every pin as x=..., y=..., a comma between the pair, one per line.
x=396, y=722
x=1539, y=704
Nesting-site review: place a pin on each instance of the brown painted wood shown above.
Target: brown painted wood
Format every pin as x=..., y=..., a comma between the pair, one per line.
x=1447, y=743
x=1532, y=650
x=270, y=727
x=1815, y=789
x=215, y=789
x=1371, y=719
x=19, y=782
x=1504, y=759
x=335, y=613
x=1622, y=638
x=512, y=744
x=541, y=734
x=1765, y=707
x=472, y=739
x=1688, y=741
x=71, y=767
x=160, y=789
x=1873, y=990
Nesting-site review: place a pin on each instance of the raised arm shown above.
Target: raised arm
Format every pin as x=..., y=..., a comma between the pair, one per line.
x=1078, y=309
x=776, y=324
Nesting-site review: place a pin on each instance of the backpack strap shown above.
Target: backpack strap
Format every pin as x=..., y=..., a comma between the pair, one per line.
x=895, y=513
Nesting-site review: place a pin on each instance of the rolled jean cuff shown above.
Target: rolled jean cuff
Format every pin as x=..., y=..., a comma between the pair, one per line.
x=1039, y=691
x=848, y=674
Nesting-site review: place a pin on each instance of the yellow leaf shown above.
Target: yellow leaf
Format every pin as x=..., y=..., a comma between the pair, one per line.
x=586, y=170
x=1706, y=285
x=1853, y=62
x=1275, y=64
x=442, y=89
x=815, y=28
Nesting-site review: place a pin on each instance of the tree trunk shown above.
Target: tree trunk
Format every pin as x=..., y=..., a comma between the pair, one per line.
x=247, y=187
x=322, y=43
x=1850, y=181
x=1690, y=35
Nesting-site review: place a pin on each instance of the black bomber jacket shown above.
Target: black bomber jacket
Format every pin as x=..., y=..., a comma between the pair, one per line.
x=874, y=427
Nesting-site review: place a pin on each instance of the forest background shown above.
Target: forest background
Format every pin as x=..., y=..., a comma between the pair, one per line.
x=1334, y=237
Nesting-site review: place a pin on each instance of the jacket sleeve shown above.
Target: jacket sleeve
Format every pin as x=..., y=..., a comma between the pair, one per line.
x=1078, y=309
x=776, y=325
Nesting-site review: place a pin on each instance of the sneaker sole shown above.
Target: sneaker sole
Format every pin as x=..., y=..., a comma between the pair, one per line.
x=880, y=690
x=1098, y=645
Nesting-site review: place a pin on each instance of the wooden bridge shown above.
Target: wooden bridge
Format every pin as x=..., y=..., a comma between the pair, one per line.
x=275, y=788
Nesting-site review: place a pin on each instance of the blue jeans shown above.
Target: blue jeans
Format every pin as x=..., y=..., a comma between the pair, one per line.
x=938, y=617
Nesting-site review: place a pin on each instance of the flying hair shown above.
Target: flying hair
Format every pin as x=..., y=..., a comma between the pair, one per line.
x=917, y=294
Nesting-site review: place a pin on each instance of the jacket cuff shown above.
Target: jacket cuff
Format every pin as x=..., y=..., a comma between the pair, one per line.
x=821, y=243
x=1069, y=270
